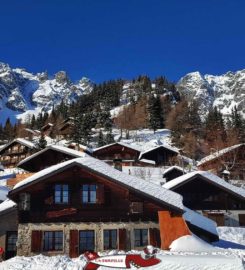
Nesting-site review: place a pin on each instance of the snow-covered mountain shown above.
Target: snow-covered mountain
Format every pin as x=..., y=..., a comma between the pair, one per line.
x=22, y=93
x=224, y=91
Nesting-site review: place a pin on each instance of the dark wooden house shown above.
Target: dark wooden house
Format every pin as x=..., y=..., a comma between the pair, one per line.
x=47, y=129
x=211, y=195
x=118, y=154
x=173, y=172
x=15, y=151
x=163, y=155
x=51, y=155
x=84, y=204
x=230, y=160
x=65, y=128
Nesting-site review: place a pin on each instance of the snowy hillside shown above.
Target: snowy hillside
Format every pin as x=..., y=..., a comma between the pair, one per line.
x=224, y=91
x=22, y=92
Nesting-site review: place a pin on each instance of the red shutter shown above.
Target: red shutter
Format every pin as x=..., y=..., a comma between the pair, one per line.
x=155, y=237
x=36, y=241
x=122, y=239
x=74, y=244
x=100, y=194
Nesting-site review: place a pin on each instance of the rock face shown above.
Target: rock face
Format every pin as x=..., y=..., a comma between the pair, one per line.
x=21, y=91
x=224, y=91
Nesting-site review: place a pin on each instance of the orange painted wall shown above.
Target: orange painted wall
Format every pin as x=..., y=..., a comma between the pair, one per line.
x=171, y=228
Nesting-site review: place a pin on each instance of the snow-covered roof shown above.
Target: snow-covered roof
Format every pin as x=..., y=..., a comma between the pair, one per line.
x=6, y=205
x=219, y=153
x=97, y=166
x=160, y=146
x=3, y=193
x=174, y=168
x=200, y=221
x=58, y=148
x=21, y=141
x=120, y=143
x=209, y=177
x=144, y=160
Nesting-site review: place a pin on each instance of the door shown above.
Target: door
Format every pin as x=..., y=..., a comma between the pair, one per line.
x=11, y=239
x=241, y=219
x=218, y=218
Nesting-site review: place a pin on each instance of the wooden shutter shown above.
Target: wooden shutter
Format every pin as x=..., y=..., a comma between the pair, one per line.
x=100, y=194
x=122, y=239
x=154, y=235
x=36, y=241
x=74, y=251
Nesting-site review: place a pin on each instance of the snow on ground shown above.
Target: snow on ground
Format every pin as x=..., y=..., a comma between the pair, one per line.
x=187, y=253
x=231, y=237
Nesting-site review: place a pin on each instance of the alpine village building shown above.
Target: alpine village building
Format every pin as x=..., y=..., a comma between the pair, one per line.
x=72, y=202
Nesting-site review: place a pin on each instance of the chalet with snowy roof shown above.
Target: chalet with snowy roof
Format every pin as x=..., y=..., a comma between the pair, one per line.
x=227, y=163
x=119, y=154
x=47, y=129
x=162, y=155
x=65, y=128
x=51, y=155
x=211, y=195
x=15, y=151
x=84, y=204
x=173, y=172
x=8, y=228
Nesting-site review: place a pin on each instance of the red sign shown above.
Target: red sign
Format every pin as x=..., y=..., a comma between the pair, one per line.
x=123, y=261
x=1, y=250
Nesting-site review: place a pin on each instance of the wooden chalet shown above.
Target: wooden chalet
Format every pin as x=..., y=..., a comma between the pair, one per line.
x=15, y=151
x=118, y=154
x=51, y=155
x=65, y=128
x=211, y=195
x=84, y=204
x=47, y=129
x=162, y=155
x=173, y=172
x=228, y=163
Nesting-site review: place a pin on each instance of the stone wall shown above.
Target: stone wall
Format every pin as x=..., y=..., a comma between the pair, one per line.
x=25, y=231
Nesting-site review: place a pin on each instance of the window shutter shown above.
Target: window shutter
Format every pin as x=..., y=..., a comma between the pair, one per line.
x=74, y=250
x=154, y=235
x=36, y=241
x=100, y=194
x=122, y=239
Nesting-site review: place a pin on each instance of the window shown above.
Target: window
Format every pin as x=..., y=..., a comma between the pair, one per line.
x=89, y=193
x=110, y=239
x=61, y=194
x=53, y=241
x=86, y=241
x=140, y=237
x=11, y=241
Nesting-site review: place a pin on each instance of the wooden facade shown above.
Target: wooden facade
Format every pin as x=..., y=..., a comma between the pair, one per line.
x=214, y=202
x=118, y=154
x=163, y=156
x=14, y=152
x=113, y=202
x=173, y=173
x=46, y=158
x=232, y=160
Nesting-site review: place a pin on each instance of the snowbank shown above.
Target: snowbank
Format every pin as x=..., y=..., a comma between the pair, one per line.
x=191, y=243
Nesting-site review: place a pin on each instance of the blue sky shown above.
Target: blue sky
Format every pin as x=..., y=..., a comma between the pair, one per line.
x=106, y=39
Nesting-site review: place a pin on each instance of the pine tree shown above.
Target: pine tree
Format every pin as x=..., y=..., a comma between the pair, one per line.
x=8, y=130
x=238, y=124
x=42, y=143
x=101, y=140
x=109, y=137
x=155, y=112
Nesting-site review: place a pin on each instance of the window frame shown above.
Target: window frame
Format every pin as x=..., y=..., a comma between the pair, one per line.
x=61, y=195
x=141, y=240
x=79, y=243
x=89, y=195
x=110, y=246
x=53, y=241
